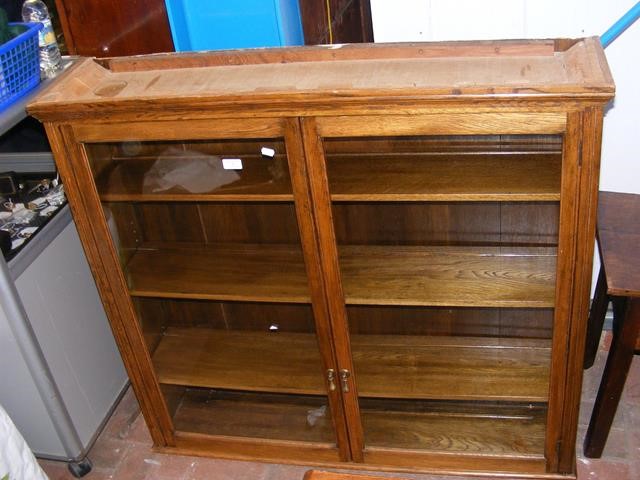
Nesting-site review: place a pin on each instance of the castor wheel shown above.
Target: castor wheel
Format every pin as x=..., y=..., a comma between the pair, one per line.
x=80, y=469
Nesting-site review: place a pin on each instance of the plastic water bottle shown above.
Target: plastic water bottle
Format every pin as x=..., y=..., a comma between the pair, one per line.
x=37, y=11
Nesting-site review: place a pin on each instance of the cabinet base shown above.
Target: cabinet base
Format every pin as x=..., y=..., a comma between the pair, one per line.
x=318, y=455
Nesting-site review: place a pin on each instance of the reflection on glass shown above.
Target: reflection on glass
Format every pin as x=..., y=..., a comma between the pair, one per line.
x=243, y=168
x=194, y=175
x=208, y=241
x=448, y=252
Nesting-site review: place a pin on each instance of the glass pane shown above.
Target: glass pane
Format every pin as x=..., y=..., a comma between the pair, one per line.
x=447, y=251
x=224, y=169
x=209, y=245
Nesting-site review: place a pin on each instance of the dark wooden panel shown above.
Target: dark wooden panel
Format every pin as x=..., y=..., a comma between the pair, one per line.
x=234, y=315
x=468, y=144
x=350, y=21
x=167, y=222
x=526, y=323
x=195, y=314
x=529, y=223
x=250, y=223
x=252, y=316
x=380, y=320
x=109, y=29
x=416, y=223
x=442, y=223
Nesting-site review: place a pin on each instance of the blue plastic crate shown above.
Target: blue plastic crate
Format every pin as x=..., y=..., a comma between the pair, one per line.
x=19, y=63
x=226, y=24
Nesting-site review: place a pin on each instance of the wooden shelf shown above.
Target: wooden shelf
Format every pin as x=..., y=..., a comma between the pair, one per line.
x=448, y=276
x=463, y=428
x=386, y=366
x=352, y=177
x=445, y=177
x=483, y=429
x=254, y=415
x=371, y=275
x=194, y=178
x=260, y=273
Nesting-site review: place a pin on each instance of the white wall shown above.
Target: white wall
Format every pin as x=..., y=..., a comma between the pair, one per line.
x=433, y=20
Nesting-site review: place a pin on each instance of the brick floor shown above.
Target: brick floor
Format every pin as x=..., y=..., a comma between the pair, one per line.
x=123, y=450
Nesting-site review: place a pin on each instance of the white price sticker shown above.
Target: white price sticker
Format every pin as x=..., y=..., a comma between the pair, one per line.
x=232, y=163
x=267, y=152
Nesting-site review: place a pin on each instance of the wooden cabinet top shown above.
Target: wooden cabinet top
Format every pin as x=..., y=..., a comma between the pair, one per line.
x=333, y=79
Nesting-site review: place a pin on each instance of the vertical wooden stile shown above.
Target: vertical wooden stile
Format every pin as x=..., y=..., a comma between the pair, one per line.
x=564, y=285
x=311, y=250
x=321, y=199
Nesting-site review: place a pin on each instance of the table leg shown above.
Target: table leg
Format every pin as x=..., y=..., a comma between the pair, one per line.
x=613, y=378
x=597, y=314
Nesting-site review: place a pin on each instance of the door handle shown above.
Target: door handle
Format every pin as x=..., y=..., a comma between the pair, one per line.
x=344, y=378
x=331, y=379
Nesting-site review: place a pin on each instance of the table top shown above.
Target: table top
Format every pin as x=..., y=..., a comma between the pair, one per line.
x=619, y=242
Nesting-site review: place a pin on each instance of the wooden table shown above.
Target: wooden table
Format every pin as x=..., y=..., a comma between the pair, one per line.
x=618, y=231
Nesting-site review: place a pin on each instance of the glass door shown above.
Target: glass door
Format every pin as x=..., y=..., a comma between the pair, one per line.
x=447, y=252
x=209, y=243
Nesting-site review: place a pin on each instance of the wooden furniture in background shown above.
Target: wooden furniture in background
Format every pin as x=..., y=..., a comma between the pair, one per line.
x=112, y=29
x=345, y=21
x=108, y=29
x=374, y=256
x=618, y=282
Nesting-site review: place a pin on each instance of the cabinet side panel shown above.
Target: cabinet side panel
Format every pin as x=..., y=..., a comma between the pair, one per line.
x=585, y=239
x=105, y=266
x=575, y=254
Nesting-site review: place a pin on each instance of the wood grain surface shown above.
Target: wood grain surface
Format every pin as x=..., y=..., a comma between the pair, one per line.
x=372, y=275
x=443, y=426
x=386, y=366
x=576, y=73
x=485, y=267
x=619, y=237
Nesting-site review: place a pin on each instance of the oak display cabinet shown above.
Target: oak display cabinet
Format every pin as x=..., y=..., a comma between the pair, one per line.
x=368, y=256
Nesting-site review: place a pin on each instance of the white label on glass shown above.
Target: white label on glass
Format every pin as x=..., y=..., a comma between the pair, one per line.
x=232, y=163
x=267, y=152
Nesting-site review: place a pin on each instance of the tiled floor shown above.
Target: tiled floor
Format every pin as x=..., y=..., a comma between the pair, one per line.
x=123, y=451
